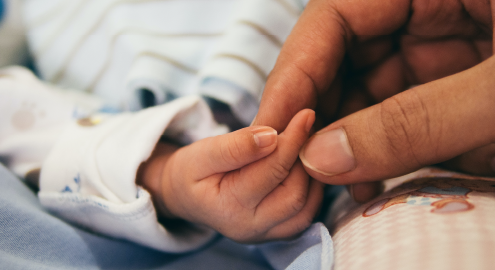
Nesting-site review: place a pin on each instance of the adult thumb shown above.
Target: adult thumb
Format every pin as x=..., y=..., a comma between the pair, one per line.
x=424, y=125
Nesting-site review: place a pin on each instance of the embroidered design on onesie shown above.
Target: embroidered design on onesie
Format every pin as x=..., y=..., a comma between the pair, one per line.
x=25, y=118
x=445, y=195
x=89, y=121
x=76, y=187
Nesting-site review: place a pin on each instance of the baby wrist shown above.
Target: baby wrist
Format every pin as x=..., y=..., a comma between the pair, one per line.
x=150, y=176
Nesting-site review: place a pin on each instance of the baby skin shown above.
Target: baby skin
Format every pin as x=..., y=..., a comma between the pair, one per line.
x=248, y=185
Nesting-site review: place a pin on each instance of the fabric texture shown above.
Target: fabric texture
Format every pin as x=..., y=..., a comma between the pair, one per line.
x=89, y=177
x=430, y=219
x=31, y=238
x=169, y=48
x=312, y=250
x=33, y=116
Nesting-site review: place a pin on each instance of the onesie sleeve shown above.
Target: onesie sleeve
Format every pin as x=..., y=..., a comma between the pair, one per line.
x=89, y=160
x=33, y=116
x=89, y=176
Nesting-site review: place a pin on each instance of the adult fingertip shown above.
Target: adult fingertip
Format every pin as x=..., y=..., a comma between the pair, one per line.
x=328, y=153
x=480, y=161
x=265, y=137
x=364, y=192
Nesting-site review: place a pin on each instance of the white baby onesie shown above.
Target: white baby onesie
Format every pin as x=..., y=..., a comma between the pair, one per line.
x=89, y=160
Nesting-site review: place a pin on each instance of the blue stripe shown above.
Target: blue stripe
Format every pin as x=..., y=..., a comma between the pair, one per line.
x=1, y=10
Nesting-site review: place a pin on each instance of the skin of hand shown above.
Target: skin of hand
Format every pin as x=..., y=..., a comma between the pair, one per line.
x=249, y=185
x=381, y=48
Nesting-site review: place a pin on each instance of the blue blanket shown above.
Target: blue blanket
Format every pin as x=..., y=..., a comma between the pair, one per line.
x=31, y=238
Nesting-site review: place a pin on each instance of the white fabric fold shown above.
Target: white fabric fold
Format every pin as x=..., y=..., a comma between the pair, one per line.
x=89, y=160
x=115, y=49
x=249, y=49
x=33, y=116
x=89, y=176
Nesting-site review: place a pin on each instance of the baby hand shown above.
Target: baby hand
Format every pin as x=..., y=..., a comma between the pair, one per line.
x=248, y=185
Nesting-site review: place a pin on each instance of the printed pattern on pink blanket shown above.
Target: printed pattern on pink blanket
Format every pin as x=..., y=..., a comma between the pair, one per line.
x=432, y=221
x=445, y=195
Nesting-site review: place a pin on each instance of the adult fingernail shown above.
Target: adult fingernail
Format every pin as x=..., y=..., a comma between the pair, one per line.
x=265, y=137
x=328, y=153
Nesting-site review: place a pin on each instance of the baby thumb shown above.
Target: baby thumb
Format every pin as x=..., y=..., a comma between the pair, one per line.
x=230, y=151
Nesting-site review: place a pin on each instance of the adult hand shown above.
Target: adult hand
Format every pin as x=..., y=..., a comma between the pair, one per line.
x=386, y=46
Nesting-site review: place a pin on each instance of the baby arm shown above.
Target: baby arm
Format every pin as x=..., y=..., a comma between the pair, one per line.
x=248, y=185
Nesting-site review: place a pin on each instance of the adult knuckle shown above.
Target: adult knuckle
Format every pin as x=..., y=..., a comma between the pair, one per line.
x=406, y=125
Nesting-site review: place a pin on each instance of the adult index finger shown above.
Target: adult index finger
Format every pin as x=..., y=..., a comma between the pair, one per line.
x=313, y=52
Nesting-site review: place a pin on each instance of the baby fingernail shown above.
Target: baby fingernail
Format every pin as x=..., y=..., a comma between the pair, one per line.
x=310, y=121
x=328, y=153
x=265, y=137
